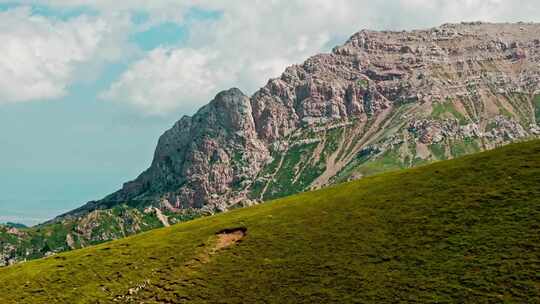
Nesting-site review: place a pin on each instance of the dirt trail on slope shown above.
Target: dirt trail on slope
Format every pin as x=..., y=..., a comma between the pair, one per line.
x=225, y=238
x=378, y=127
x=162, y=217
x=271, y=179
x=333, y=166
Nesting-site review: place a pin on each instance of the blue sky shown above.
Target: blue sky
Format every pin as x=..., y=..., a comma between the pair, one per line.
x=57, y=154
x=86, y=88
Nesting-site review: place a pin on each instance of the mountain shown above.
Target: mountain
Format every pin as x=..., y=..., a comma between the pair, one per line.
x=382, y=101
x=14, y=225
x=20, y=243
x=458, y=231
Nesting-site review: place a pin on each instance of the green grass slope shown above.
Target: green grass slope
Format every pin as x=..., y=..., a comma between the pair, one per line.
x=465, y=230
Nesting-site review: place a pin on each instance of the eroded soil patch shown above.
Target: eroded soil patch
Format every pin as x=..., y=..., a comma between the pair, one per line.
x=229, y=236
x=224, y=238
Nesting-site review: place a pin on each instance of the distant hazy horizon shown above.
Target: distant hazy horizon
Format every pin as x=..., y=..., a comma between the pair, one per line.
x=31, y=213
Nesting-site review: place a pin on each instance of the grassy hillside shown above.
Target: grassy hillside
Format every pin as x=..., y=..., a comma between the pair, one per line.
x=20, y=243
x=465, y=230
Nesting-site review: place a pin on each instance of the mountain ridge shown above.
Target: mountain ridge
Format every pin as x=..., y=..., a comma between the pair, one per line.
x=381, y=101
x=470, y=75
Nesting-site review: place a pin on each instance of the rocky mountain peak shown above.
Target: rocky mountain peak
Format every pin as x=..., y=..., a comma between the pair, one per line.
x=382, y=100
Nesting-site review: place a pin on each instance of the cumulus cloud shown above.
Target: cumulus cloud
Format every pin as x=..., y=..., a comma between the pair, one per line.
x=157, y=83
x=254, y=40
x=243, y=48
x=39, y=56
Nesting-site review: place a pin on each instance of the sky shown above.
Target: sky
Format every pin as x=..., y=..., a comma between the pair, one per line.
x=87, y=87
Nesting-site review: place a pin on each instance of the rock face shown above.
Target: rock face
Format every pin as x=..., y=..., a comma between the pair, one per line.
x=203, y=157
x=381, y=101
x=200, y=159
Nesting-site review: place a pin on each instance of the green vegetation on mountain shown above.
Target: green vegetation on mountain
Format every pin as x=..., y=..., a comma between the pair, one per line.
x=19, y=242
x=284, y=182
x=465, y=230
x=536, y=103
x=447, y=109
x=293, y=170
x=14, y=225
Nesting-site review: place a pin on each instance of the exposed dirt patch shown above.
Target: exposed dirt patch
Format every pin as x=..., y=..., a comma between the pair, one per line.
x=318, y=151
x=162, y=217
x=333, y=166
x=490, y=106
x=225, y=238
x=271, y=179
x=458, y=105
x=422, y=150
x=228, y=237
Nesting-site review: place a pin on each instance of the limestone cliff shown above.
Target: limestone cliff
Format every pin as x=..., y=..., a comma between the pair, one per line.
x=383, y=100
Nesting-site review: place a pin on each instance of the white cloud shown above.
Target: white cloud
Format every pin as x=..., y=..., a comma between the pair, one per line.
x=252, y=41
x=39, y=56
x=156, y=83
x=255, y=40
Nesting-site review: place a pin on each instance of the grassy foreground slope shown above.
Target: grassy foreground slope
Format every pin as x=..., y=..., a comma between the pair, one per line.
x=465, y=230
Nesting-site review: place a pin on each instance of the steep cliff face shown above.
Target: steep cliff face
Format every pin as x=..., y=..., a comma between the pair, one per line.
x=199, y=160
x=381, y=101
